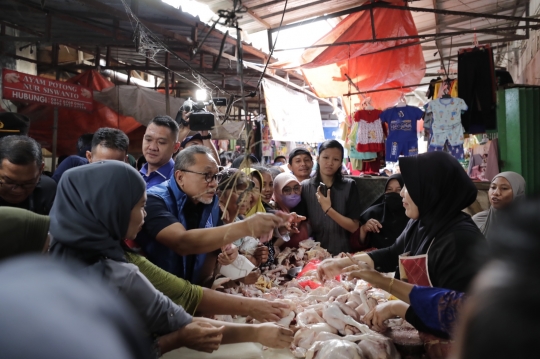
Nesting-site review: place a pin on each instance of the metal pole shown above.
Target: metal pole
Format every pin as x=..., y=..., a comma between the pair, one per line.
x=167, y=99
x=54, y=139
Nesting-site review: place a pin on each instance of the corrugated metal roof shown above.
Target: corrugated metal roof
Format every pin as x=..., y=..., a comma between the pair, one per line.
x=87, y=24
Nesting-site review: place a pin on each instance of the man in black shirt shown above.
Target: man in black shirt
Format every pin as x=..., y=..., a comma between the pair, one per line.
x=22, y=183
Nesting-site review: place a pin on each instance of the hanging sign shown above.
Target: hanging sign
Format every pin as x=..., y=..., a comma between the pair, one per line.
x=292, y=116
x=17, y=86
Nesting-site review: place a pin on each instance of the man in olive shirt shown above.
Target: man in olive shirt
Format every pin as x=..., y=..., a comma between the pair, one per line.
x=22, y=183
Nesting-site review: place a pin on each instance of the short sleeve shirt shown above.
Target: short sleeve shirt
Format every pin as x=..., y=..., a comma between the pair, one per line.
x=446, y=123
x=345, y=198
x=402, y=123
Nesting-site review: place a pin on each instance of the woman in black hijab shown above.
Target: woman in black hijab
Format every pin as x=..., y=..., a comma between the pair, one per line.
x=383, y=222
x=435, y=249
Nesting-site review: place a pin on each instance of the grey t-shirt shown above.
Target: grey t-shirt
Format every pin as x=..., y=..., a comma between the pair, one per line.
x=345, y=200
x=159, y=314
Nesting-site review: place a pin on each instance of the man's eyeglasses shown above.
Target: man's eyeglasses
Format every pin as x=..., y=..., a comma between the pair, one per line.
x=208, y=176
x=288, y=190
x=12, y=185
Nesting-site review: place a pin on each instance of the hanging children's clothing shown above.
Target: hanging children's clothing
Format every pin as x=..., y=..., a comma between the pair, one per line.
x=370, y=135
x=402, y=138
x=355, y=156
x=446, y=128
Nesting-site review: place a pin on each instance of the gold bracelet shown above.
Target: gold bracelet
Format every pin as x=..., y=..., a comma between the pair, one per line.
x=391, y=283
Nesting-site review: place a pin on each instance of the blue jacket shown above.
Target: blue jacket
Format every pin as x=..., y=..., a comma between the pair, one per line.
x=162, y=256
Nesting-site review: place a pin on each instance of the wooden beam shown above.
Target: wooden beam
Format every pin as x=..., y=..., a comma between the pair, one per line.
x=108, y=57
x=97, y=58
x=189, y=20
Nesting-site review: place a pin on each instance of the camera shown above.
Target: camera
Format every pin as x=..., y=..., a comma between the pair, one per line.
x=200, y=119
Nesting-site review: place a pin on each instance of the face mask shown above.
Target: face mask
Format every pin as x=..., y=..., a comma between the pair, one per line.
x=291, y=200
x=393, y=201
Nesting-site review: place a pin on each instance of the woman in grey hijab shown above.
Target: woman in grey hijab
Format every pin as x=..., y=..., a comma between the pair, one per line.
x=505, y=188
x=95, y=208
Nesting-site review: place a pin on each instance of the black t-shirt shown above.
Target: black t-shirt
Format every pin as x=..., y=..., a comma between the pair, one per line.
x=452, y=258
x=345, y=197
x=41, y=199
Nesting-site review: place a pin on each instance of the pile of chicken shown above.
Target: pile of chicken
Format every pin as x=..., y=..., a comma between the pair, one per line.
x=327, y=317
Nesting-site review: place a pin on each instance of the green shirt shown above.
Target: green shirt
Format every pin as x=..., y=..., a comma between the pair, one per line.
x=179, y=290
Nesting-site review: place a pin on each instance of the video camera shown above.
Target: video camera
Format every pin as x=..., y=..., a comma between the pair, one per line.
x=200, y=119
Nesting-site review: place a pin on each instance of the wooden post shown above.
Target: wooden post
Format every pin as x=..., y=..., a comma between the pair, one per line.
x=55, y=139
x=55, y=50
x=167, y=98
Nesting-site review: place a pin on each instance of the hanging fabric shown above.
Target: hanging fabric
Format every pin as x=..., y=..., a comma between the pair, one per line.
x=477, y=87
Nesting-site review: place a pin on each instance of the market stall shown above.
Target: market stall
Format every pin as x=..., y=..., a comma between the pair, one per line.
x=326, y=316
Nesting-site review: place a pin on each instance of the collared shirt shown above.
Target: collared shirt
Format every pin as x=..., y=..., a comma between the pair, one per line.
x=161, y=175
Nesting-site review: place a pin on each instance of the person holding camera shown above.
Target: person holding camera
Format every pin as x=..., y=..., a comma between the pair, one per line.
x=329, y=201
x=202, y=138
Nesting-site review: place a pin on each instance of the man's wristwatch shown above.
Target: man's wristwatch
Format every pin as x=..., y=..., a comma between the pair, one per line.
x=207, y=137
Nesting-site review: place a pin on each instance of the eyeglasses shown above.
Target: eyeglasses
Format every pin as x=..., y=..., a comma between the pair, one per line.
x=208, y=176
x=288, y=190
x=12, y=185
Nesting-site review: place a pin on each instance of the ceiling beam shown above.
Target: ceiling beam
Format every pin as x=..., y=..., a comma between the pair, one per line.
x=450, y=20
x=435, y=36
x=254, y=16
x=296, y=8
x=453, y=12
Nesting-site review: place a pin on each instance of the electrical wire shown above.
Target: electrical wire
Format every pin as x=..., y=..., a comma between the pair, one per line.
x=274, y=45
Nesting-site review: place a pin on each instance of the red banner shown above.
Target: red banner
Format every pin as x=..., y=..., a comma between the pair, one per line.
x=17, y=86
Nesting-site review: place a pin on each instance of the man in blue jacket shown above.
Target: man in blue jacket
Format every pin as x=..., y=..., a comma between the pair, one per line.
x=180, y=234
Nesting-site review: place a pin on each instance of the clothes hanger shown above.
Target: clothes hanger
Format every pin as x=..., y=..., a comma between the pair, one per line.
x=367, y=104
x=402, y=101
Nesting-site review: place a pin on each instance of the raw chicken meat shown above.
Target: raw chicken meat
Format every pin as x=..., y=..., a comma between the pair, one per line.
x=305, y=336
x=326, y=318
x=308, y=243
x=308, y=316
x=380, y=347
x=334, y=349
x=335, y=317
x=286, y=321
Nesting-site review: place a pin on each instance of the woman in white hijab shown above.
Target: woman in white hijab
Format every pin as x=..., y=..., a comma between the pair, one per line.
x=505, y=188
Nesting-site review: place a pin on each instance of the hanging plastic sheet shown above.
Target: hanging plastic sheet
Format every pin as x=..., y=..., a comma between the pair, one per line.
x=292, y=116
x=371, y=66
